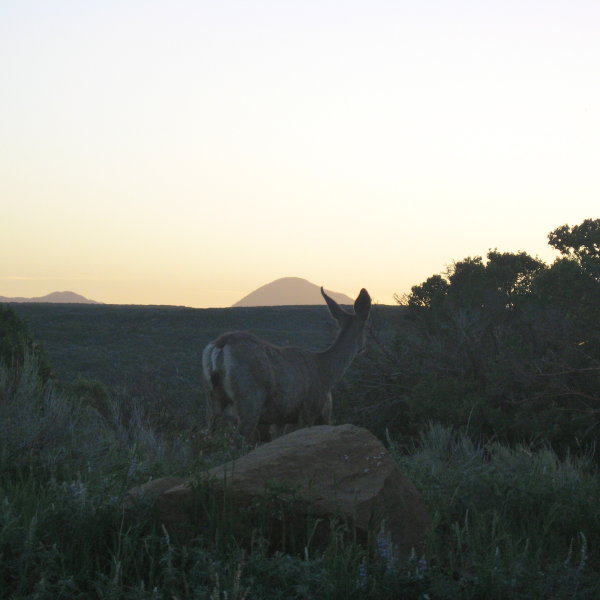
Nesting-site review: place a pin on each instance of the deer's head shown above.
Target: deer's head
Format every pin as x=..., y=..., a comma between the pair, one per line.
x=352, y=324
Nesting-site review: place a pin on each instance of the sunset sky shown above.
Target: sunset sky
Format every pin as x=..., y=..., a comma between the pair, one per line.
x=189, y=152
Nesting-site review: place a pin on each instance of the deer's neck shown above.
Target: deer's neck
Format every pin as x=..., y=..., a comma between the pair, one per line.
x=334, y=361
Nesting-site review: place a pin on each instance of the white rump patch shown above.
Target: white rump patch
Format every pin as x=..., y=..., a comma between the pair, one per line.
x=209, y=360
x=216, y=352
x=228, y=369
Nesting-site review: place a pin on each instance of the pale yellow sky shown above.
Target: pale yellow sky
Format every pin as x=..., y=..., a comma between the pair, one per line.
x=188, y=152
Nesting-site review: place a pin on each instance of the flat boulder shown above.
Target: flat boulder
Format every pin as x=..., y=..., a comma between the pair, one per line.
x=339, y=472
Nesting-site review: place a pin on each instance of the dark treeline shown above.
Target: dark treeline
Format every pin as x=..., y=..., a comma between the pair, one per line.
x=505, y=347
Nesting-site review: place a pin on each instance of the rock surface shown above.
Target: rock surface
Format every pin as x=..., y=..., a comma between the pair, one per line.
x=341, y=471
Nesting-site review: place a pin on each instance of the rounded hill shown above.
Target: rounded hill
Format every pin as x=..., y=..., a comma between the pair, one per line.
x=290, y=291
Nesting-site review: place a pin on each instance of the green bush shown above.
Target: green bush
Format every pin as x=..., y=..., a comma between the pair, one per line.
x=509, y=522
x=17, y=344
x=36, y=422
x=506, y=348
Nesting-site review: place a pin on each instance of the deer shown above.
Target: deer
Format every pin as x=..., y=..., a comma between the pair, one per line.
x=265, y=389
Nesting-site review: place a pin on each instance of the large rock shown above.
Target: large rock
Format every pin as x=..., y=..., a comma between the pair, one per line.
x=341, y=471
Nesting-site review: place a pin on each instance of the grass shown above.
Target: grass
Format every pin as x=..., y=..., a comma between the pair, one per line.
x=154, y=352
x=507, y=522
x=510, y=522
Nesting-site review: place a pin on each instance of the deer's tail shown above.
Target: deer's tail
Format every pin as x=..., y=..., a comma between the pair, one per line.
x=212, y=366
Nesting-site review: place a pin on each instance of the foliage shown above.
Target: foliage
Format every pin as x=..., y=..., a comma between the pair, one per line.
x=16, y=342
x=506, y=348
x=510, y=522
x=581, y=241
x=497, y=284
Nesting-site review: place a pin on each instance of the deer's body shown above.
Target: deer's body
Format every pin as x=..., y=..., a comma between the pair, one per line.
x=261, y=386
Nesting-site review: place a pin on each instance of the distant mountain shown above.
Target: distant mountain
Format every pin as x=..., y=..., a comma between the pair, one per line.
x=55, y=298
x=290, y=291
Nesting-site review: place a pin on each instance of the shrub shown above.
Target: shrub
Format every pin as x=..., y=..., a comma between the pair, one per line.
x=509, y=522
x=17, y=344
x=36, y=422
x=505, y=349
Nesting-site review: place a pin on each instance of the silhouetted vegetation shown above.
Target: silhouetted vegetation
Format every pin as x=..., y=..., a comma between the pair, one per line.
x=504, y=348
x=17, y=343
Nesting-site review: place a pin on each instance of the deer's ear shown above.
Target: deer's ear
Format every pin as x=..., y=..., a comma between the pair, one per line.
x=337, y=312
x=362, y=304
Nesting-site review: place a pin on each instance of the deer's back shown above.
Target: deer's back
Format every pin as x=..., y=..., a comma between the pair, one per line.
x=289, y=376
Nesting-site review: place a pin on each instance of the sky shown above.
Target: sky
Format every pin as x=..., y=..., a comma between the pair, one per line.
x=188, y=152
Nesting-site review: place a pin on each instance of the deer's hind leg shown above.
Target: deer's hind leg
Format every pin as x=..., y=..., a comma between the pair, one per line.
x=248, y=398
x=249, y=405
x=219, y=409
